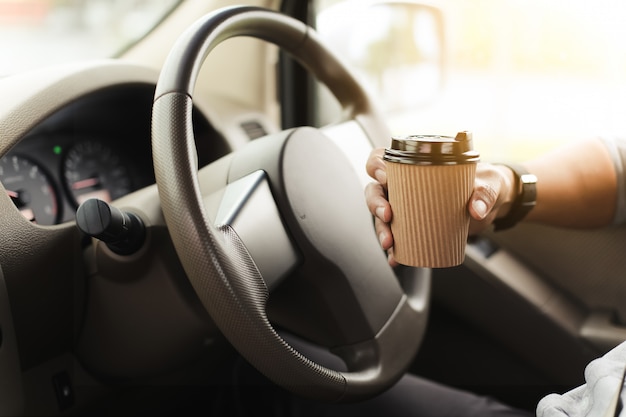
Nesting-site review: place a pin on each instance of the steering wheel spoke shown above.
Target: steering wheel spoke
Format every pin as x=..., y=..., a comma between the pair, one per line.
x=248, y=208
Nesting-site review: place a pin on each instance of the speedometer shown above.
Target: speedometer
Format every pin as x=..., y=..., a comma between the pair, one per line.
x=30, y=188
x=93, y=169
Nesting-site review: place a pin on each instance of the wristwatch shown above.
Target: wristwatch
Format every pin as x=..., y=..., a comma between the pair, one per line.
x=526, y=185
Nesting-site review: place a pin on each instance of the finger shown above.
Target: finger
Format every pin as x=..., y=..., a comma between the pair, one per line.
x=483, y=199
x=375, y=166
x=486, y=197
x=377, y=202
x=478, y=208
x=390, y=259
x=383, y=231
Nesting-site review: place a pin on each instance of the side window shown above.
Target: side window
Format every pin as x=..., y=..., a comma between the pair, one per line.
x=394, y=47
x=524, y=77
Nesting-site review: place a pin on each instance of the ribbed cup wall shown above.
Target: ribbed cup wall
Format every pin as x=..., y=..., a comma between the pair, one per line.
x=430, y=218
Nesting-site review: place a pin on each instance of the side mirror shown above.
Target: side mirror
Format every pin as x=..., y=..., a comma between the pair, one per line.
x=396, y=48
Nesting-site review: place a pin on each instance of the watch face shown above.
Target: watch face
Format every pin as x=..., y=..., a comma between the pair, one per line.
x=528, y=179
x=529, y=191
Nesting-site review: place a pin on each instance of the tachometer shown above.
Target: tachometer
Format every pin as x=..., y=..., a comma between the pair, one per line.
x=93, y=169
x=30, y=188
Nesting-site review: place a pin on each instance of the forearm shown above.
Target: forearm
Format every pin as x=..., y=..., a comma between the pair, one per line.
x=576, y=186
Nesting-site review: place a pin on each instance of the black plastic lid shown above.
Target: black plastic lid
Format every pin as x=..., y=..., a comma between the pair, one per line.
x=432, y=150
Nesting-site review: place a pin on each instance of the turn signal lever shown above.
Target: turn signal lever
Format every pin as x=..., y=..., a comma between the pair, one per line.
x=123, y=232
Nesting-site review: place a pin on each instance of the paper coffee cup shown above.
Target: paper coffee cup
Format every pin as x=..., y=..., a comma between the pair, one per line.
x=430, y=179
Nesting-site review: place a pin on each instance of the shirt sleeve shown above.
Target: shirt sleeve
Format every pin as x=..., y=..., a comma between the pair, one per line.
x=617, y=149
x=598, y=397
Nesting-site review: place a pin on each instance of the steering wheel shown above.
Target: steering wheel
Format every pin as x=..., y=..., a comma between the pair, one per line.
x=277, y=234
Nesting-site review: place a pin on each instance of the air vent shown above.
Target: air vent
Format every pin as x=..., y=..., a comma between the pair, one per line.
x=253, y=129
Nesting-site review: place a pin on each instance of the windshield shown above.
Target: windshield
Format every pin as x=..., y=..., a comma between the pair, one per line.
x=36, y=33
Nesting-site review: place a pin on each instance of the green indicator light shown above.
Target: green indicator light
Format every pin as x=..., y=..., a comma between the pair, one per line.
x=56, y=150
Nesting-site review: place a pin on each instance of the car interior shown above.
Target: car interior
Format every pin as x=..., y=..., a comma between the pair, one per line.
x=194, y=204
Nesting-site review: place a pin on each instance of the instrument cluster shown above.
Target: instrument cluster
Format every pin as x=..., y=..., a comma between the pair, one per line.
x=48, y=179
x=98, y=147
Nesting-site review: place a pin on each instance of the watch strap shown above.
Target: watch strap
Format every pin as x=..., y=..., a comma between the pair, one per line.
x=526, y=186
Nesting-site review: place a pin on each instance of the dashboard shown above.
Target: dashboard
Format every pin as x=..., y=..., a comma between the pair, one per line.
x=98, y=146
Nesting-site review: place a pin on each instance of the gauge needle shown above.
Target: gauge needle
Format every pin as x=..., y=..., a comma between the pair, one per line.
x=86, y=183
x=19, y=198
x=26, y=212
x=16, y=197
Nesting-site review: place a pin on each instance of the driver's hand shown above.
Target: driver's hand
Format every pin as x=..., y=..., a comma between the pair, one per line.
x=492, y=189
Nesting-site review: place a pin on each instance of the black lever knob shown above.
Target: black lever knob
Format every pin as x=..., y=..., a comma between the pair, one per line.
x=123, y=232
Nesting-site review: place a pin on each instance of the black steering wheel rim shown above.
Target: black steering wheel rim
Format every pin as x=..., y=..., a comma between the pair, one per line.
x=217, y=263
